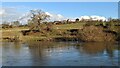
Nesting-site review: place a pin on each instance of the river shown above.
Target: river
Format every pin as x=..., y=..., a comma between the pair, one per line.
x=59, y=54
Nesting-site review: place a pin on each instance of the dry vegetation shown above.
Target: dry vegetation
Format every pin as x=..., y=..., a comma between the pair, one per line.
x=51, y=31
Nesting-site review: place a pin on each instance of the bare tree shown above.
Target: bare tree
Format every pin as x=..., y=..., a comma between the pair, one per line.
x=37, y=17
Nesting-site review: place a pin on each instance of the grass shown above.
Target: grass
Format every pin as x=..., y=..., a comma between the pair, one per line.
x=69, y=26
x=56, y=30
x=12, y=32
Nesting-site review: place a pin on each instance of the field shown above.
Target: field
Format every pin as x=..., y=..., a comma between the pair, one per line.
x=69, y=26
x=60, y=30
x=12, y=32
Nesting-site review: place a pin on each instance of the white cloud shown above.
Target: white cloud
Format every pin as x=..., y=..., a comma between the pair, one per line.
x=2, y=11
x=55, y=17
x=24, y=18
x=49, y=14
x=9, y=14
x=84, y=17
x=93, y=17
x=59, y=15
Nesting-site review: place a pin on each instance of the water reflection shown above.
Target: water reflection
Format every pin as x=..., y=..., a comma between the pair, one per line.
x=97, y=48
x=60, y=54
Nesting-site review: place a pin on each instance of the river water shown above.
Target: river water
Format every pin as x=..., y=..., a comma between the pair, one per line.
x=59, y=54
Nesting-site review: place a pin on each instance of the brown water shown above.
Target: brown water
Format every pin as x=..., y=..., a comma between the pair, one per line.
x=59, y=54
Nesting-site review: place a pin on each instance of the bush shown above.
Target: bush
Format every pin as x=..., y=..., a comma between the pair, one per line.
x=93, y=33
x=4, y=26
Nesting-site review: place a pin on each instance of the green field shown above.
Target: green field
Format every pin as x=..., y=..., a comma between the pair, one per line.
x=58, y=30
x=69, y=26
x=11, y=32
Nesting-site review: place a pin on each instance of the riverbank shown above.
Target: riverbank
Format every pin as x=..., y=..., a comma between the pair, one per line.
x=63, y=32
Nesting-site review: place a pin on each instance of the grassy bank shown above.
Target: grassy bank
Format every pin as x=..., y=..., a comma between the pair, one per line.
x=63, y=31
x=12, y=32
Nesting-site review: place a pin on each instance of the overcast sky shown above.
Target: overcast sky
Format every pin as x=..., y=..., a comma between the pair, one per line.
x=59, y=10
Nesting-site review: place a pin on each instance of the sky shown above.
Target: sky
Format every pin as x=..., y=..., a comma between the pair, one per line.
x=60, y=10
x=60, y=0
